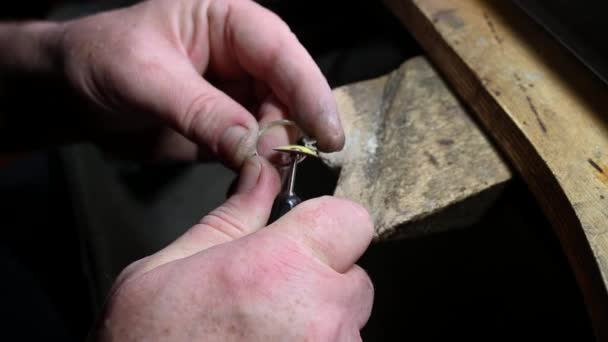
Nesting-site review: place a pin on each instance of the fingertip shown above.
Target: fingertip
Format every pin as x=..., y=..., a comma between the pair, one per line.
x=323, y=123
x=236, y=144
x=249, y=175
x=364, y=278
x=336, y=231
x=257, y=174
x=273, y=55
x=333, y=140
x=361, y=296
x=363, y=216
x=270, y=176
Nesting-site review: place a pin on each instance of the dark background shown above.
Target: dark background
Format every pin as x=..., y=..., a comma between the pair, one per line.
x=579, y=25
x=503, y=279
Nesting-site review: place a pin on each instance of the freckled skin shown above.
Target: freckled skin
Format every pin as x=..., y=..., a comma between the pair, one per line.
x=189, y=79
x=146, y=76
x=285, y=282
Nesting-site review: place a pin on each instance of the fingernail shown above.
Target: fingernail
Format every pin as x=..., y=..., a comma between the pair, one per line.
x=250, y=174
x=234, y=144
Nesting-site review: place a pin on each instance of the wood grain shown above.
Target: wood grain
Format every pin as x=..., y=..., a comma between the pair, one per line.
x=547, y=112
x=413, y=155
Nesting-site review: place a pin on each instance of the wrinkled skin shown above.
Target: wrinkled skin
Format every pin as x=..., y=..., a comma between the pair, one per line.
x=142, y=67
x=228, y=280
x=200, y=77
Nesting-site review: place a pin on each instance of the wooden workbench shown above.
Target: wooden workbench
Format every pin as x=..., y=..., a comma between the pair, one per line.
x=543, y=108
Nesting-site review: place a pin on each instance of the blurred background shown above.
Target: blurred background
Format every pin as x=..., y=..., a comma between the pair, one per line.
x=72, y=218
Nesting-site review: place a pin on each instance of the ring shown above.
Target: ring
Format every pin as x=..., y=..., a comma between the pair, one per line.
x=307, y=141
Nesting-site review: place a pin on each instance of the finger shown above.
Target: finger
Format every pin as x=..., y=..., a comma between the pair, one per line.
x=271, y=110
x=335, y=231
x=359, y=293
x=247, y=210
x=243, y=213
x=270, y=52
x=211, y=118
x=270, y=137
x=195, y=108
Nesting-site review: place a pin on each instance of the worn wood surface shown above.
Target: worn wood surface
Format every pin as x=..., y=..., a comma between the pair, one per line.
x=548, y=113
x=413, y=156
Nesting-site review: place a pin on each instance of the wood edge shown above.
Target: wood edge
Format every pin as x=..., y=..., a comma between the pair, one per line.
x=418, y=226
x=522, y=153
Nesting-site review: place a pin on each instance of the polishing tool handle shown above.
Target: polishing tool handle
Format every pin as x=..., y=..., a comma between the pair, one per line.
x=287, y=199
x=282, y=204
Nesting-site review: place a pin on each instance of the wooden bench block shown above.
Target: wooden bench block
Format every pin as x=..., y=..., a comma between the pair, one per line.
x=413, y=155
x=545, y=110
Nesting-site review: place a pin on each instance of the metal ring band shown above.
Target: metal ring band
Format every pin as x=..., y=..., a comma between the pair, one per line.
x=276, y=123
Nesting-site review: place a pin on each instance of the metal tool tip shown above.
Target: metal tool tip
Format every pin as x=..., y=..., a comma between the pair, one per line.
x=298, y=150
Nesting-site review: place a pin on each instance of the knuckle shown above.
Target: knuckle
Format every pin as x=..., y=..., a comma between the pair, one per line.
x=282, y=26
x=285, y=259
x=273, y=19
x=197, y=113
x=365, y=282
x=224, y=221
x=133, y=287
x=237, y=275
x=276, y=268
x=128, y=273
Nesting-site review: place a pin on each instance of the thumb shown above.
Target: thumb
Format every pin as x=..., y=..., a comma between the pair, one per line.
x=335, y=231
x=246, y=211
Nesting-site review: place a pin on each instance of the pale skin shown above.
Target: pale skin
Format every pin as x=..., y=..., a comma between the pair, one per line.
x=225, y=279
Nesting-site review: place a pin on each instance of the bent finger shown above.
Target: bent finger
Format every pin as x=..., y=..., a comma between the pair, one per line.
x=196, y=109
x=359, y=292
x=271, y=52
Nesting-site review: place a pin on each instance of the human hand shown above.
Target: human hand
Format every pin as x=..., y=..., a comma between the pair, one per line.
x=142, y=67
x=225, y=280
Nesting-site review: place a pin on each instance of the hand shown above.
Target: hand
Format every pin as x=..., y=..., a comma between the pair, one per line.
x=294, y=280
x=142, y=66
